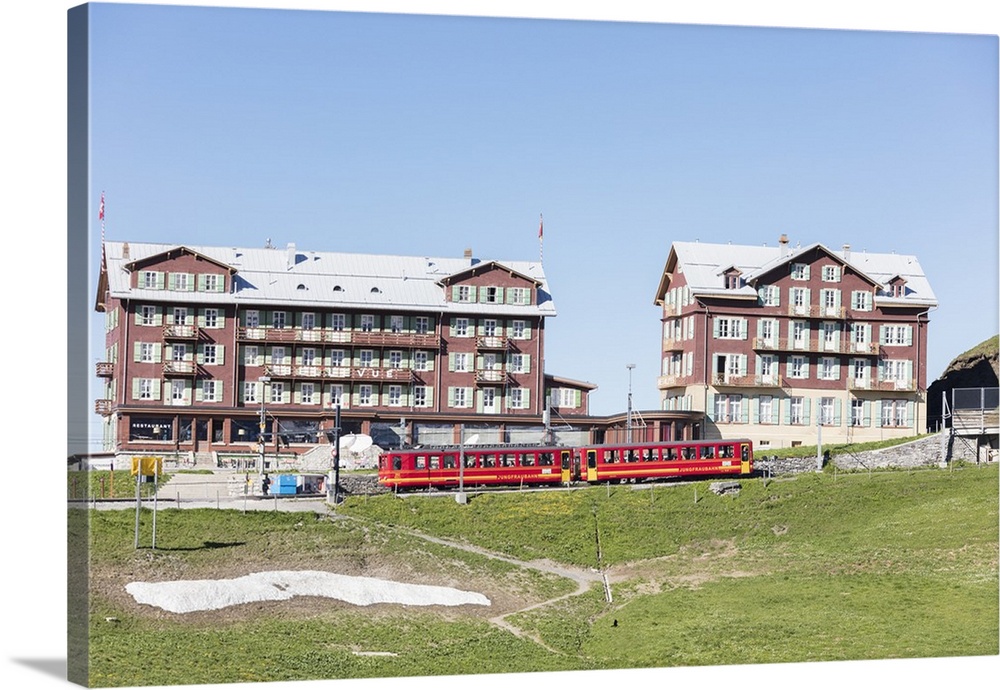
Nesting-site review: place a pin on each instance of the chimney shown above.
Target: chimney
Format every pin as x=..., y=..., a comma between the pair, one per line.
x=847, y=252
x=468, y=254
x=291, y=255
x=783, y=244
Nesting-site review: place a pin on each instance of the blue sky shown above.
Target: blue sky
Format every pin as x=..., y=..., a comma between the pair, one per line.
x=423, y=135
x=877, y=140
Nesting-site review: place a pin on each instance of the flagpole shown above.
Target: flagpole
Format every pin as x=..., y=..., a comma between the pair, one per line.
x=539, y=238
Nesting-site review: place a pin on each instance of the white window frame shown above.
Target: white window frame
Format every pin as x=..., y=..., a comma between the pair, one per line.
x=460, y=327
x=366, y=395
x=831, y=273
x=252, y=318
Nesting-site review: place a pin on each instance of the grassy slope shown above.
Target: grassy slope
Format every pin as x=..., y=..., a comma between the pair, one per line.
x=811, y=568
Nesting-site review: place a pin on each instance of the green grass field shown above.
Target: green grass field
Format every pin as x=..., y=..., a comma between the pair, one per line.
x=812, y=567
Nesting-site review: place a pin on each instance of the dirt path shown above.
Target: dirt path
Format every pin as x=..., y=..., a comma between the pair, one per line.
x=584, y=579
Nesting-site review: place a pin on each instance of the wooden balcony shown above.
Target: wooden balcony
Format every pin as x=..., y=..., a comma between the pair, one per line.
x=180, y=332
x=747, y=381
x=868, y=384
x=106, y=369
x=178, y=368
x=322, y=373
x=102, y=407
x=430, y=341
x=493, y=342
x=815, y=311
x=815, y=346
x=490, y=376
x=672, y=344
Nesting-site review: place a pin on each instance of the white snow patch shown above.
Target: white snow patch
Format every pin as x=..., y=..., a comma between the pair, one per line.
x=184, y=596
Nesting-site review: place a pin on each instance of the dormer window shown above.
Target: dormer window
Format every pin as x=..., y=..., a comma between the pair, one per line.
x=733, y=280
x=800, y=271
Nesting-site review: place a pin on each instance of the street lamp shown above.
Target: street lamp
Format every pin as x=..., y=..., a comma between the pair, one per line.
x=263, y=381
x=628, y=416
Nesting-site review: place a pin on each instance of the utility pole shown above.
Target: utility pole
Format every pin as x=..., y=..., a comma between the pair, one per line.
x=628, y=416
x=264, y=380
x=334, y=490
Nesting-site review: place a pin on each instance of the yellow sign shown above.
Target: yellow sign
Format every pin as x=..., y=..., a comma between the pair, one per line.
x=147, y=466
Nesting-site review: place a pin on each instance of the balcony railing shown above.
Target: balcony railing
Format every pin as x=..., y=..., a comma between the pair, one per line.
x=180, y=332
x=491, y=376
x=369, y=373
x=750, y=380
x=325, y=335
x=493, y=342
x=106, y=369
x=816, y=311
x=815, y=345
x=672, y=344
x=178, y=368
x=868, y=384
x=102, y=407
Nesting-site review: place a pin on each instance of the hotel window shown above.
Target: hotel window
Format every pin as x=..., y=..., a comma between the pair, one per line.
x=365, y=395
x=277, y=392
x=177, y=390
x=518, y=329
x=768, y=369
x=519, y=363
x=278, y=355
x=829, y=369
x=395, y=396
x=460, y=327
x=250, y=391
x=337, y=358
x=800, y=334
x=460, y=361
x=518, y=295
x=336, y=394
x=308, y=396
x=278, y=319
x=308, y=321
x=857, y=412
x=420, y=396
x=211, y=318
x=147, y=352
x=182, y=281
x=367, y=323
x=308, y=356
x=395, y=359
x=210, y=354
x=152, y=280
x=831, y=274
x=180, y=316
x=252, y=318
x=861, y=300
x=338, y=322
x=396, y=324
x=211, y=282
x=459, y=397
x=251, y=355
x=491, y=294
x=730, y=328
x=800, y=271
x=489, y=327
x=800, y=300
x=894, y=413
x=178, y=352
x=422, y=325
x=770, y=295
x=896, y=335
x=366, y=357
x=463, y=293
x=766, y=409
x=767, y=331
x=420, y=361
x=830, y=299
x=211, y=391
x=798, y=367
x=518, y=399
x=827, y=416
x=796, y=413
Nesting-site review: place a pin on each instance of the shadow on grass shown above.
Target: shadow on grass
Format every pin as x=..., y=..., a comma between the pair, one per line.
x=204, y=546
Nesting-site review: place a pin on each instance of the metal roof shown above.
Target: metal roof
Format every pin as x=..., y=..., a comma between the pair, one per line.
x=293, y=277
x=704, y=264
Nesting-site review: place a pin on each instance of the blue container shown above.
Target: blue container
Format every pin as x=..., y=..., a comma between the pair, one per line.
x=284, y=485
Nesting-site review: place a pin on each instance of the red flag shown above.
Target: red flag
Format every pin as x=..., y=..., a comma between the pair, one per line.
x=100, y=213
x=539, y=227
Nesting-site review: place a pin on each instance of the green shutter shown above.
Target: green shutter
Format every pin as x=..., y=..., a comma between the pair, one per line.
x=526, y=359
x=836, y=412
x=710, y=407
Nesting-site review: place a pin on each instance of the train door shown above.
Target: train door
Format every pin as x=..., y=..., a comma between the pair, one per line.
x=591, y=465
x=746, y=459
x=566, y=465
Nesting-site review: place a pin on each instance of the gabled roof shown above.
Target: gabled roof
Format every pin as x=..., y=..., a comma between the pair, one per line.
x=704, y=266
x=322, y=280
x=170, y=254
x=484, y=268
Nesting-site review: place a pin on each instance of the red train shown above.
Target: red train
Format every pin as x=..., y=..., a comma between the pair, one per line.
x=539, y=465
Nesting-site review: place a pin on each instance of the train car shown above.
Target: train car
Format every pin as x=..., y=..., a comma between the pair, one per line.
x=645, y=461
x=414, y=468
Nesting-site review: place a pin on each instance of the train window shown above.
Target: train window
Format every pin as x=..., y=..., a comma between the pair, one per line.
x=688, y=453
x=489, y=460
x=507, y=459
x=545, y=459
x=647, y=454
x=435, y=462
x=527, y=460
x=669, y=453
x=470, y=460
x=707, y=452
x=744, y=452
x=449, y=462
x=591, y=458
x=397, y=462
x=421, y=462
x=611, y=456
x=630, y=455
x=725, y=451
